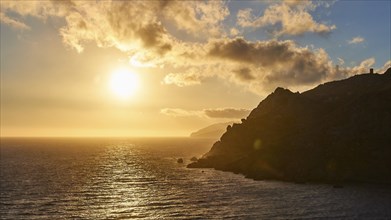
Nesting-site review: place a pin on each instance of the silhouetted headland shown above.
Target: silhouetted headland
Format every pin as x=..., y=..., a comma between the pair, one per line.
x=212, y=131
x=339, y=131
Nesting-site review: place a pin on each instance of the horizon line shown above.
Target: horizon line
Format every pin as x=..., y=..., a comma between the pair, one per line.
x=148, y=136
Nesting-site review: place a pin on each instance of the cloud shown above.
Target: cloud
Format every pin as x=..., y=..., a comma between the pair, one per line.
x=260, y=66
x=183, y=79
x=273, y=62
x=130, y=27
x=226, y=113
x=363, y=67
x=177, y=112
x=151, y=34
x=344, y=72
x=356, y=40
x=13, y=23
x=340, y=61
x=385, y=67
x=265, y=53
x=244, y=74
x=41, y=9
x=207, y=113
x=234, y=32
x=285, y=18
x=194, y=71
x=198, y=18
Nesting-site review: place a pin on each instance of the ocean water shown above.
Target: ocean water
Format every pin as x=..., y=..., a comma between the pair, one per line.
x=140, y=178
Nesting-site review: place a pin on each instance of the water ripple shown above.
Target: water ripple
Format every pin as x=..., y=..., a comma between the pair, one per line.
x=140, y=178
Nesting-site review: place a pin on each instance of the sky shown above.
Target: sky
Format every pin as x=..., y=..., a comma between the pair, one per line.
x=168, y=68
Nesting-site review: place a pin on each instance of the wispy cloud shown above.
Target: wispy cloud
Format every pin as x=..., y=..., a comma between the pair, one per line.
x=192, y=76
x=13, y=22
x=340, y=61
x=235, y=113
x=227, y=113
x=356, y=40
x=178, y=112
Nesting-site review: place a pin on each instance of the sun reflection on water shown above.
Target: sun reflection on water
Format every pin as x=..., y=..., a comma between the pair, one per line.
x=126, y=179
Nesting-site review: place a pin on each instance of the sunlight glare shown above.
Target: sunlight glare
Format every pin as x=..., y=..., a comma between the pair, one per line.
x=124, y=83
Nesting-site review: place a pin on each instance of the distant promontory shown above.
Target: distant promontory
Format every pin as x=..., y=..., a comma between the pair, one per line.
x=212, y=131
x=339, y=131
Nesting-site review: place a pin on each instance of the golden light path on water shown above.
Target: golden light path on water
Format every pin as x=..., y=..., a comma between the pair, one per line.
x=140, y=178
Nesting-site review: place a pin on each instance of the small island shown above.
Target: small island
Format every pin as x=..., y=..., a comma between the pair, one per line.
x=337, y=132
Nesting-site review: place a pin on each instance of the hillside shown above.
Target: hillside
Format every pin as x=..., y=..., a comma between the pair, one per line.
x=212, y=131
x=338, y=131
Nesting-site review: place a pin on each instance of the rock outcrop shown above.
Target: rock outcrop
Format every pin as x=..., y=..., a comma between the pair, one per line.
x=338, y=131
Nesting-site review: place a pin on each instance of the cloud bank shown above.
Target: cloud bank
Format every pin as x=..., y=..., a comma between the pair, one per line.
x=192, y=39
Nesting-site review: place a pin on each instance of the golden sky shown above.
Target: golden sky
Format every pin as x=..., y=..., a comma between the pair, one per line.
x=167, y=68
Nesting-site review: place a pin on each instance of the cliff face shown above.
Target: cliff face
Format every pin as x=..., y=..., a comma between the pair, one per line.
x=338, y=131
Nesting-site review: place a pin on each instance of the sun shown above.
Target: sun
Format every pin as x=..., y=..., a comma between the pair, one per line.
x=124, y=83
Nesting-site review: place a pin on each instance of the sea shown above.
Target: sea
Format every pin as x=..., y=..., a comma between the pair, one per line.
x=140, y=178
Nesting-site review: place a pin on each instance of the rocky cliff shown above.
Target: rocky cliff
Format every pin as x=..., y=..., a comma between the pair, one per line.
x=338, y=131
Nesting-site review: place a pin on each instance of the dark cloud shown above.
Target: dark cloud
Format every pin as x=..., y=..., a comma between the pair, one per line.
x=152, y=36
x=264, y=53
x=130, y=24
x=244, y=74
x=304, y=68
x=276, y=61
